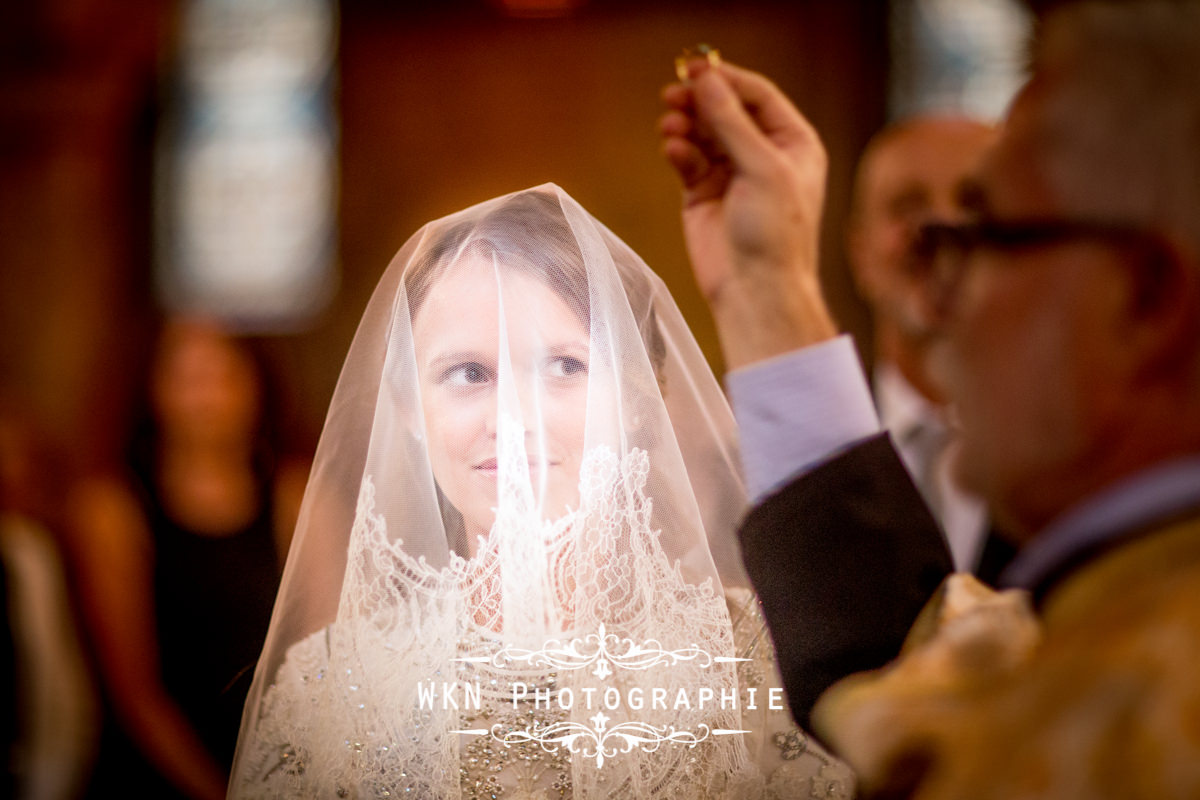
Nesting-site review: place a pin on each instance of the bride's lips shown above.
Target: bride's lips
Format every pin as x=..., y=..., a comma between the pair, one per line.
x=489, y=466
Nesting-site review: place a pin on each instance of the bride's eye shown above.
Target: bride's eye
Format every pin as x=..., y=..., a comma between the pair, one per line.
x=566, y=367
x=471, y=373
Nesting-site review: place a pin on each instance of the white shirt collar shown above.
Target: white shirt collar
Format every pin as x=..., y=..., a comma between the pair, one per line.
x=901, y=407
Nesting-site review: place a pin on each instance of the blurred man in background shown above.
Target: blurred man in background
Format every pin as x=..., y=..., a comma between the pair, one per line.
x=912, y=173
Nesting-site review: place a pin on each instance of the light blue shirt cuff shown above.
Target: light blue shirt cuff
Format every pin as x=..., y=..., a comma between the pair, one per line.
x=797, y=410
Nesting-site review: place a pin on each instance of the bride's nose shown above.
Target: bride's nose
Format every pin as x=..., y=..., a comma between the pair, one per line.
x=523, y=403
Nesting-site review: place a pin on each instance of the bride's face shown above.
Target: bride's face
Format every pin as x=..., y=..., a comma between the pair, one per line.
x=456, y=335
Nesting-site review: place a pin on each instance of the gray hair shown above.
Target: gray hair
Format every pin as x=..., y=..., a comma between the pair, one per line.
x=1124, y=133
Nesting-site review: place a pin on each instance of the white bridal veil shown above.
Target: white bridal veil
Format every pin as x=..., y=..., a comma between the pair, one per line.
x=514, y=562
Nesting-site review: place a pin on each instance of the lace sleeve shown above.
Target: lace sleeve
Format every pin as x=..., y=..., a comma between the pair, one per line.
x=280, y=753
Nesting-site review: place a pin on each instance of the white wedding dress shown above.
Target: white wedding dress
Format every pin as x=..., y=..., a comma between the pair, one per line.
x=599, y=641
x=341, y=720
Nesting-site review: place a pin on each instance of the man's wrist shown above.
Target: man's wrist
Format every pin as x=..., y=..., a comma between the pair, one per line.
x=764, y=321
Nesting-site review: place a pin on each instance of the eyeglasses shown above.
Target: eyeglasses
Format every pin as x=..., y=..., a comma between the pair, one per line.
x=943, y=250
x=936, y=239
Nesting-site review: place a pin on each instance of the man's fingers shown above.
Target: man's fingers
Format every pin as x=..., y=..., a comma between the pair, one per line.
x=724, y=121
x=689, y=146
x=687, y=159
x=676, y=95
x=774, y=113
x=721, y=111
x=676, y=123
x=747, y=114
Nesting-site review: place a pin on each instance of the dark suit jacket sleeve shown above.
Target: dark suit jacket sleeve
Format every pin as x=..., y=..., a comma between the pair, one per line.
x=843, y=559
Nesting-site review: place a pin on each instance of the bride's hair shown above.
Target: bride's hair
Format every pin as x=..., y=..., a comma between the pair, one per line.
x=530, y=234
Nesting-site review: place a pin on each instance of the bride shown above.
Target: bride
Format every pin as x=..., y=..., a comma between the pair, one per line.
x=515, y=572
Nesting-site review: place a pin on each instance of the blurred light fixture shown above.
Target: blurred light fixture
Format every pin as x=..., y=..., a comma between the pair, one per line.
x=246, y=168
x=967, y=56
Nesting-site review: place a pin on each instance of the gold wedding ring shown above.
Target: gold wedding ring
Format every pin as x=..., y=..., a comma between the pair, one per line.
x=710, y=54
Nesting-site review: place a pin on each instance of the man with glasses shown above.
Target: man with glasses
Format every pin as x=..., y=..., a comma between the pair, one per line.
x=1073, y=357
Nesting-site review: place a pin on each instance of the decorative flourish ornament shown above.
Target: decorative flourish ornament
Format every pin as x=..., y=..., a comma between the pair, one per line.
x=599, y=742
x=604, y=651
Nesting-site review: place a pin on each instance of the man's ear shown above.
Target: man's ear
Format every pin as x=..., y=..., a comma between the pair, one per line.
x=1163, y=312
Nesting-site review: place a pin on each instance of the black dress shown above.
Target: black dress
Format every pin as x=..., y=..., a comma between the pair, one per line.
x=213, y=597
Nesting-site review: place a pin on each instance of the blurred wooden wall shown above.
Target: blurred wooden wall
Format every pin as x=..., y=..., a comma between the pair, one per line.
x=77, y=93
x=443, y=104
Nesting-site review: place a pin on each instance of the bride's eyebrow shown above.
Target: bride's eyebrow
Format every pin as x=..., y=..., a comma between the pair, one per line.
x=454, y=358
x=572, y=347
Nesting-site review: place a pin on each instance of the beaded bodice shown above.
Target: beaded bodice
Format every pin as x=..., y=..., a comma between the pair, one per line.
x=420, y=689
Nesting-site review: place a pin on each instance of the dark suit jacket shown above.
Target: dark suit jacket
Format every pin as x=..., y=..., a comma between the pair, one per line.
x=843, y=559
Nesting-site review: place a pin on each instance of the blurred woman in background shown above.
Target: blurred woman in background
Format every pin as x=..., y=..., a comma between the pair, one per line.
x=179, y=561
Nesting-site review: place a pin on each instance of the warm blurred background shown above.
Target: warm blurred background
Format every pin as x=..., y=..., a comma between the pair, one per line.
x=431, y=106
x=260, y=161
